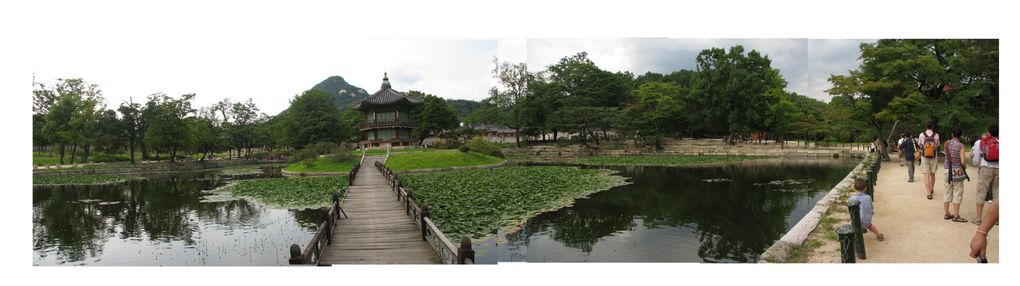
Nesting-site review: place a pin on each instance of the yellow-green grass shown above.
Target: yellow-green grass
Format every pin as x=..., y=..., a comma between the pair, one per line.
x=438, y=159
x=323, y=164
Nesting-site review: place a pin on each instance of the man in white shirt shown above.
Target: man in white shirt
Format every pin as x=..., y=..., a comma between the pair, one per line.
x=899, y=143
x=988, y=172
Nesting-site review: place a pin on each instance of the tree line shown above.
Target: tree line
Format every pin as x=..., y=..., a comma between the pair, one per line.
x=733, y=93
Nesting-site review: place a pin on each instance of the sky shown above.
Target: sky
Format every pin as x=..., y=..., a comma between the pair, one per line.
x=241, y=67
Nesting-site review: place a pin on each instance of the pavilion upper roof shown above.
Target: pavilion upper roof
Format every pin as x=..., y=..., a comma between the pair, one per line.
x=387, y=96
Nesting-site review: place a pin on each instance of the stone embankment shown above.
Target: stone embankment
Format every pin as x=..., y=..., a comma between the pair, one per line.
x=551, y=153
x=125, y=168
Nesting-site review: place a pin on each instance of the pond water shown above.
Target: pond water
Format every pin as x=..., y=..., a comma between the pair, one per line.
x=726, y=212
x=162, y=220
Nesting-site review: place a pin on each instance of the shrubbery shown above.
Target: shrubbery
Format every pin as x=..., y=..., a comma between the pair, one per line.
x=480, y=145
x=312, y=151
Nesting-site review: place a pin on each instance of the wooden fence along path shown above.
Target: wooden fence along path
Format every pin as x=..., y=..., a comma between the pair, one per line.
x=376, y=230
x=381, y=224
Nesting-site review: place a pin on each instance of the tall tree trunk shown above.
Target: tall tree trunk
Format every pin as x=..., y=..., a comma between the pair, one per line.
x=131, y=150
x=85, y=154
x=517, y=133
x=62, y=146
x=74, y=152
x=173, y=154
x=145, y=151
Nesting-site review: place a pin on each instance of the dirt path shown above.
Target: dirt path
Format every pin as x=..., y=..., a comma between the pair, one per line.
x=913, y=225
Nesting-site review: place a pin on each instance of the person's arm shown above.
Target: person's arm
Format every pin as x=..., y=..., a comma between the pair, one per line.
x=979, y=243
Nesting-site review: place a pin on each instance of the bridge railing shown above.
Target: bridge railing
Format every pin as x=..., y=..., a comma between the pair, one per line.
x=324, y=234
x=441, y=244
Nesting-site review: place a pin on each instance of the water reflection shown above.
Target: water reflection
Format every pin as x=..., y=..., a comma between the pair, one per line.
x=161, y=221
x=676, y=215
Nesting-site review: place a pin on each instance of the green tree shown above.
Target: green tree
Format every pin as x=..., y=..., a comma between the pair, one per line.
x=70, y=110
x=350, y=125
x=658, y=112
x=511, y=88
x=168, y=129
x=311, y=118
x=951, y=81
x=733, y=92
x=433, y=117
x=130, y=116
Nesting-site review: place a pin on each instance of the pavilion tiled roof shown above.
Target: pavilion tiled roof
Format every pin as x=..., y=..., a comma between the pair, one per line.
x=387, y=96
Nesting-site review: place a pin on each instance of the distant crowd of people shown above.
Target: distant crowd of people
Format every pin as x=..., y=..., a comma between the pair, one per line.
x=925, y=151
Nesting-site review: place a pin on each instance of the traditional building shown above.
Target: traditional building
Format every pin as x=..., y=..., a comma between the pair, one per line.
x=388, y=118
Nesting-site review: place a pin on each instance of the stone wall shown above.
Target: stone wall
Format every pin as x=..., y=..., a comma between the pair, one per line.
x=779, y=250
x=124, y=168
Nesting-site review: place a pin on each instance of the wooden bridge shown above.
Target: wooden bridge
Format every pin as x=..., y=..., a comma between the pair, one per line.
x=382, y=225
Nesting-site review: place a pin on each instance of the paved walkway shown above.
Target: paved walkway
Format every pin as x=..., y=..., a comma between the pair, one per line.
x=378, y=230
x=913, y=225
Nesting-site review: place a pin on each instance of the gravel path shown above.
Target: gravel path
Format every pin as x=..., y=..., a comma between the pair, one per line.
x=913, y=225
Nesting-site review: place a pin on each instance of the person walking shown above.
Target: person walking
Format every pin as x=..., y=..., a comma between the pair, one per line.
x=956, y=172
x=907, y=149
x=986, y=157
x=899, y=150
x=929, y=141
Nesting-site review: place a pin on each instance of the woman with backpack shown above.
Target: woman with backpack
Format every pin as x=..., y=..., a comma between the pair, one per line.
x=956, y=172
x=986, y=158
x=929, y=141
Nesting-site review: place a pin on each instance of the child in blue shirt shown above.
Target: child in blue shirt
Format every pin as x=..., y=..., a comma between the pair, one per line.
x=867, y=208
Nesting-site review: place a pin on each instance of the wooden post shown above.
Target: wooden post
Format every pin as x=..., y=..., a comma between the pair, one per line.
x=464, y=252
x=329, y=227
x=295, y=255
x=854, y=207
x=871, y=183
x=846, y=243
x=424, y=227
x=407, y=201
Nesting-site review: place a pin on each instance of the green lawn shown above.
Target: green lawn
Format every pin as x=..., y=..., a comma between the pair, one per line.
x=474, y=203
x=659, y=160
x=323, y=164
x=438, y=159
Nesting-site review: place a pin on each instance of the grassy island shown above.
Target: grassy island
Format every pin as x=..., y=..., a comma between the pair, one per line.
x=438, y=159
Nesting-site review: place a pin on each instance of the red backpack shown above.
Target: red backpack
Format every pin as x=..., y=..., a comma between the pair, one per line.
x=990, y=149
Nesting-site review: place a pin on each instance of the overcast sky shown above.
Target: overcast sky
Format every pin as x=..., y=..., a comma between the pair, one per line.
x=241, y=68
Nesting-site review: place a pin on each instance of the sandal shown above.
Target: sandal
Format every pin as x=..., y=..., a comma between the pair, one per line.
x=881, y=237
x=959, y=219
x=976, y=221
x=948, y=217
x=929, y=197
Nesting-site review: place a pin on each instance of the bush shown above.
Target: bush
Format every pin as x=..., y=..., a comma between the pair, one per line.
x=341, y=155
x=314, y=150
x=448, y=144
x=480, y=145
x=464, y=149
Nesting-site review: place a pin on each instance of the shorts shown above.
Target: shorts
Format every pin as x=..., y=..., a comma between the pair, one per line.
x=988, y=181
x=953, y=192
x=929, y=165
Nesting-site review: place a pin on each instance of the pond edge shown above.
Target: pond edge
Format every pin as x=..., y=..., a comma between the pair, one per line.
x=779, y=251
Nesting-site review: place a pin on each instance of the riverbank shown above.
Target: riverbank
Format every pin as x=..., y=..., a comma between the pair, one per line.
x=154, y=167
x=692, y=147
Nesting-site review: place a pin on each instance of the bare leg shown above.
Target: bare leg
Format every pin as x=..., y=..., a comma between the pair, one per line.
x=874, y=230
x=945, y=206
x=980, y=207
x=956, y=210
